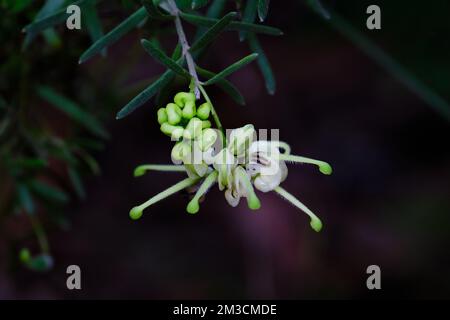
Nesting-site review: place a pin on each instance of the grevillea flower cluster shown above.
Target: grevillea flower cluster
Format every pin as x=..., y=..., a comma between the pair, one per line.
x=238, y=164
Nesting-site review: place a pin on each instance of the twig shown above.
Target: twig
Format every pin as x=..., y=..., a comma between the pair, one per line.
x=184, y=45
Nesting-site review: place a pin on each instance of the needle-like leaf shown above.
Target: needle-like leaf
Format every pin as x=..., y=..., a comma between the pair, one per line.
x=317, y=6
x=234, y=26
x=232, y=68
x=48, y=192
x=50, y=7
x=213, y=32
x=154, y=12
x=263, y=63
x=72, y=110
x=51, y=20
x=77, y=184
x=163, y=59
x=115, y=34
x=224, y=84
x=249, y=16
x=388, y=63
x=197, y=4
x=93, y=22
x=263, y=9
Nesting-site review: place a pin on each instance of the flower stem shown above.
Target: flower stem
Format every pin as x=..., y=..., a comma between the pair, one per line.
x=324, y=167
x=214, y=114
x=184, y=45
x=252, y=200
x=136, y=212
x=193, y=205
x=140, y=170
x=315, y=223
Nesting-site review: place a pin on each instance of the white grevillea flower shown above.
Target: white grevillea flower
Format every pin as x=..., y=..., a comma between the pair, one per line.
x=244, y=164
x=265, y=165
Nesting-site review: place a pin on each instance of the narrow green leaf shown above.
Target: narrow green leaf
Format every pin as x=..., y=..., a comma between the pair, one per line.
x=50, y=7
x=72, y=110
x=225, y=85
x=163, y=93
x=49, y=192
x=163, y=59
x=197, y=4
x=30, y=163
x=91, y=162
x=145, y=95
x=25, y=199
x=151, y=90
x=263, y=63
x=183, y=4
x=232, y=68
x=115, y=34
x=389, y=64
x=249, y=16
x=263, y=9
x=317, y=6
x=233, y=26
x=77, y=184
x=51, y=20
x=93, y=22
x=213, y=32
x=154, y=12
x=214, y=11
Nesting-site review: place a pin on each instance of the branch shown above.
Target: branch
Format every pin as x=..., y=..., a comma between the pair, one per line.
x=184, y=45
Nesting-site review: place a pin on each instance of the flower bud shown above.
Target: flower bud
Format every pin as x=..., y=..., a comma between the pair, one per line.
x=162, y=115
x=180, y=151
x=176, y=132
x=182, y=97
x=193, y=129
x=173, y=113
x=204, y=110
x=189, y=110
x=206, y=124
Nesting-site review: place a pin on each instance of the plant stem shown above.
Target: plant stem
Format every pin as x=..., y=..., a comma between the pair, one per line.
x=214, y=113
x=185, y=46
x=315, y=223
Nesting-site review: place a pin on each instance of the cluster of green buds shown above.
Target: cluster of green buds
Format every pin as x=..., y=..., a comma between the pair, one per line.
x=190, y=127
x=182, y=118
x=238, y=164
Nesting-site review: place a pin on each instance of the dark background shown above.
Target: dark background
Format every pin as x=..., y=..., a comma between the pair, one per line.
x=387, y=202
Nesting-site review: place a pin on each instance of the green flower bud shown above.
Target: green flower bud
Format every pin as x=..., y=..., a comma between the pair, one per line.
x=204, y=110
x=176, y=132
x=173, y=113
x=162, y=115
x=180, y=151
x=193, y=129
x=209, y=137
x=206, y=124
x=189, y=110
x=182, y=97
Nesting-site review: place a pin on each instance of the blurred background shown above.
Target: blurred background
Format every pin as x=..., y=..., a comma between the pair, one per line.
x=386, y=203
